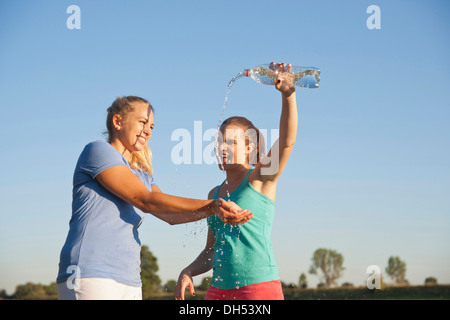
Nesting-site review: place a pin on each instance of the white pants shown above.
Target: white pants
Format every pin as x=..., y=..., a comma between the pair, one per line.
x=98, y=289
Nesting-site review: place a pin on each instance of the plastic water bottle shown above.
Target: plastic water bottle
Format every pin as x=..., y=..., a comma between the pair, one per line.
x=306, y=77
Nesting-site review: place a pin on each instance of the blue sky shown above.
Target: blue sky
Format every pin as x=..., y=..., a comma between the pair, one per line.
x=369, y=176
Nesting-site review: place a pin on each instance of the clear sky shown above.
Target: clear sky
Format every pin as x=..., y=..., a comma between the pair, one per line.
x=369, y=176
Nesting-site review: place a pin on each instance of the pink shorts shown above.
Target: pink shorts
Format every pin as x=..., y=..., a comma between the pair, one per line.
x=270, y=290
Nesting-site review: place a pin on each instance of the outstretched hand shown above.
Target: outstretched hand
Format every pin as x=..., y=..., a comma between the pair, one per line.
x=284, y=80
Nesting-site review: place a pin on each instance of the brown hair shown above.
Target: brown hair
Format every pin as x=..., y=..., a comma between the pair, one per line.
x=252, y=135
x=140, y=160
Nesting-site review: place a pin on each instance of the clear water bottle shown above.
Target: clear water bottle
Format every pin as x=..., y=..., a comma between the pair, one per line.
x=306, y=77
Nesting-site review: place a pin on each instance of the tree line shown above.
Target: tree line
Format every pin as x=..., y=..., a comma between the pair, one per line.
x=327, y=264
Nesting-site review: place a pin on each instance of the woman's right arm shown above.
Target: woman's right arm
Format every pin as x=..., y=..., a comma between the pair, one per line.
x=202, y=264
x=122, y=182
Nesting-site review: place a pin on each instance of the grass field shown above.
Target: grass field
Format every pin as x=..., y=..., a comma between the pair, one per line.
x=428, y=292
x=437, y=292
x=434, y=292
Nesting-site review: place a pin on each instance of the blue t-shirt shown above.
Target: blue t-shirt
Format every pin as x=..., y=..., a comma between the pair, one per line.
x=103, y=240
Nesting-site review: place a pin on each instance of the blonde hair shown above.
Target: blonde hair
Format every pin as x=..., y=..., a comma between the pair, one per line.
x=140, y=160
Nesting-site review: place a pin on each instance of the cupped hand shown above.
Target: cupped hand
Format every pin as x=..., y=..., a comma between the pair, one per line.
x=230, y=212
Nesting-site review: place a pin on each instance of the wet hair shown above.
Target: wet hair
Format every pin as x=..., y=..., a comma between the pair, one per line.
x=252, y=135
x=122, y=106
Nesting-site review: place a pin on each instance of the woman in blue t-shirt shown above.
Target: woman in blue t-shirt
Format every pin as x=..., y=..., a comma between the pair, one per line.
x=112, y=189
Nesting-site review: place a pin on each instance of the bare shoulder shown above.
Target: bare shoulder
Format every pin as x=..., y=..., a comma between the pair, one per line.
x=211, y=193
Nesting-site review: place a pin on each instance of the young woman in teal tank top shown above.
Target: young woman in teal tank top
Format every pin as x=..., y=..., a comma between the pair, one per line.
x=242, y=257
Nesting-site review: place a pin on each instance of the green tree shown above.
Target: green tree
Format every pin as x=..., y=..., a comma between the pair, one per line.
x=302, y=283
x=396, y=269
x=204, y=285
x=51, y=290
x=170, y=286
x=330, y=262
x=347, y=285
x=30, y=291
x=430, y=281
x=4, y=294
x=149, y=267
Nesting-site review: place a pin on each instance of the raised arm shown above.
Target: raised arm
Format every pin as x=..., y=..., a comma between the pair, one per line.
x=122, y=182
x=271, y=166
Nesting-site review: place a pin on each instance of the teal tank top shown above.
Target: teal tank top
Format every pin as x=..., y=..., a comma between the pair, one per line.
x=243, y=254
